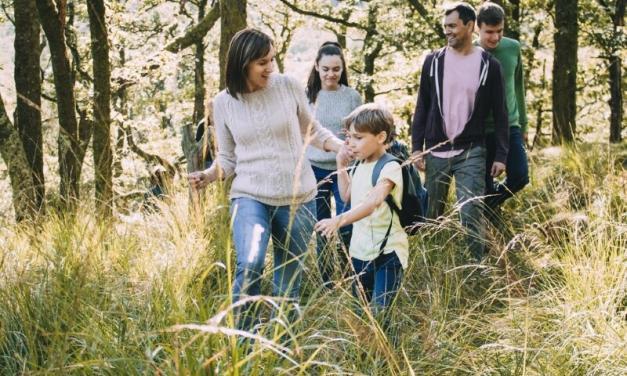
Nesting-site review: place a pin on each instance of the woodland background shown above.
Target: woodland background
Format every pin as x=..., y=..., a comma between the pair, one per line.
x=96, y=95
x=92, y=75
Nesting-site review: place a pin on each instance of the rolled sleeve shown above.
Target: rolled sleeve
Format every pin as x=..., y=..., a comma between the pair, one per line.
x=392, y=172
x=311, y=130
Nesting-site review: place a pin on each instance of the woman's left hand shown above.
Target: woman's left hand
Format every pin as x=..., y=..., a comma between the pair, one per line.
x=332, y=144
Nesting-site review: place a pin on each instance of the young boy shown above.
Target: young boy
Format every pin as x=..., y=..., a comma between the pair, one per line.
x=378, y=260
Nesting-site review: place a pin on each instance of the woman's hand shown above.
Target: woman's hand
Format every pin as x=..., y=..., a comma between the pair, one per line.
x=332, y=144
x=328, y=227
x=199, y=179
x=344, y=157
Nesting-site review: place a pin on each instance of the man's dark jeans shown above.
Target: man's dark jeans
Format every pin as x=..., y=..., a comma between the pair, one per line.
x=468, y=168
x=516, y=168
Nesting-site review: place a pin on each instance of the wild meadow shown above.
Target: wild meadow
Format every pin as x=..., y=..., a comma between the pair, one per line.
x=149, y=294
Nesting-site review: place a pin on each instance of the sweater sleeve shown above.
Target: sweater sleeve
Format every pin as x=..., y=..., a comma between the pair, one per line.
x=310, y=128
x=519, y=82
x=423, y=105
x=499, y=111
x=226, y=159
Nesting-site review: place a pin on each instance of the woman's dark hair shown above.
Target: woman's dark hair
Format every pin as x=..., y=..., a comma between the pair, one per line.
x=313, y=83
x=246, y=46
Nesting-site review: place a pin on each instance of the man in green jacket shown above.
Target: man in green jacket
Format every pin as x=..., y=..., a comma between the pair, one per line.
x=490, y=21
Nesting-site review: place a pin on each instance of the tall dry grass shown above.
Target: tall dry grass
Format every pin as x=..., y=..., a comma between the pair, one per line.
x=149, y=294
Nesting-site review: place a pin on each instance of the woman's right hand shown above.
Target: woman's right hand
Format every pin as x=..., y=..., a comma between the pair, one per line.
x=198, y=179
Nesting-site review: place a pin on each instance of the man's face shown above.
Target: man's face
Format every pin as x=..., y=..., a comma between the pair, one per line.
x=490, y=35
x=457, y=34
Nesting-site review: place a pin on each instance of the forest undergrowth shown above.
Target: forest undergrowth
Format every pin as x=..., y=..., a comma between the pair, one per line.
x=149, y=294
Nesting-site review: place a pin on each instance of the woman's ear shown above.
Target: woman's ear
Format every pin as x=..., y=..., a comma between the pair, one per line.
x=316, y=67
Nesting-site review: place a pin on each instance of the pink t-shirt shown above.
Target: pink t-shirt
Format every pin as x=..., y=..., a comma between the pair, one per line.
x=461, y=82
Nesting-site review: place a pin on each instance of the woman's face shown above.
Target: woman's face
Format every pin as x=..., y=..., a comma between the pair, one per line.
x=329, y=68
x=259, y=71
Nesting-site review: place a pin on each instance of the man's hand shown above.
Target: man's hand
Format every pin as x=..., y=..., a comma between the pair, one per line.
x=198, y=179
x=525, y=137
x=419, y=161
x=328, y=227
x=497, y=169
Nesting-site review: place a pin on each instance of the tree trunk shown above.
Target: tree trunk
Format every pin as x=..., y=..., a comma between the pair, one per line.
x=52, y=21
x=616, y=99
x=616, y=79
x=199, y=72
x=121, y=109
x=232, y=20
x=513, y=30
x=103, y=155
x=565, y=71
x=28, y=87
x=372, y=49
x=20, y=172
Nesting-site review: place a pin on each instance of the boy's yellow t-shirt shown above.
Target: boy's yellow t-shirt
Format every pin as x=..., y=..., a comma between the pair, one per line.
x=368, y=233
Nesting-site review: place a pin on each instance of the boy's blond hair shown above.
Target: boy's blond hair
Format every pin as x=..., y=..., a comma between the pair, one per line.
x=371, y=118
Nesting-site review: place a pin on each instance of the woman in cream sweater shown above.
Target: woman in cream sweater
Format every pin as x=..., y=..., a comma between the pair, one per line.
x=263, y=126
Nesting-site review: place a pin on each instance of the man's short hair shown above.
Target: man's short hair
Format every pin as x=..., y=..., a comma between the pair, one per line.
x=371, y=118
x=466, y=11
x=490, y=14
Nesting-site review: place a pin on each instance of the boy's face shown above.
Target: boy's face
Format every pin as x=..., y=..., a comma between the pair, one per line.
x=490, y=35
x=364, y=144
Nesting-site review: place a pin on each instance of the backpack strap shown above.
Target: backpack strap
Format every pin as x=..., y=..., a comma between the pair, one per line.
x=385, y=159
x=352, y=168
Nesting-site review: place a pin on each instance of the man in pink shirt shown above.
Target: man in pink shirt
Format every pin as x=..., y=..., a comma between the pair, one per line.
x=460, y=86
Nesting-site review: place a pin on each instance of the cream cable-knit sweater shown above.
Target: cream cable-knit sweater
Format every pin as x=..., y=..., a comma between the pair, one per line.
x=261, y=139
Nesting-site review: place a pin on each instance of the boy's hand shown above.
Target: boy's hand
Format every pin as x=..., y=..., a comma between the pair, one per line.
x=328, y=227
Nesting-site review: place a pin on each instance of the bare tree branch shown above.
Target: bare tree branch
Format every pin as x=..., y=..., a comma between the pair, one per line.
x=197, y=32
x=6, y=13
x=148, y=157
x=424, y=13
x=327, y=17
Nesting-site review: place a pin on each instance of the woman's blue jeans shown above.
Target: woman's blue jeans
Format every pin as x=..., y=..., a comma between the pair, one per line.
x=328, y=187
x=253, y=225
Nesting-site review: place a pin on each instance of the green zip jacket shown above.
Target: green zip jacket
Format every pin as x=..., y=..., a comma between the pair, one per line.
x=508, y=54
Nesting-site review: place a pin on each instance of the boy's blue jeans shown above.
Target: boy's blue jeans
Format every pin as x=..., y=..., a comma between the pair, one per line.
x=516, y=168
x=327, y=189
x=468, y=168
x=253, y=223
x=380, y=279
